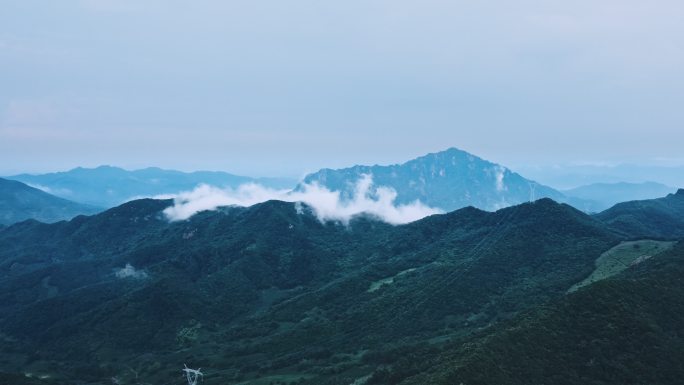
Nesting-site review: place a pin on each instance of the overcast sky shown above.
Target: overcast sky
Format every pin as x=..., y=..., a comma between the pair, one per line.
x=284, y=87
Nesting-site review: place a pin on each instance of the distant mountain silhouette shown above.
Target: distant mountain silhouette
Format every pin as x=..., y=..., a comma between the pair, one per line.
x=108, y=186
x=606, y=195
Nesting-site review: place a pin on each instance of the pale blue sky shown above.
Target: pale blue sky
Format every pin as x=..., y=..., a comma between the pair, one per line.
x=284, y=87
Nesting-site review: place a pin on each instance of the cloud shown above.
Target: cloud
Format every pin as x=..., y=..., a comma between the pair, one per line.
x=130, y=272
x=499, y=175
x=40, y=187
x=327, y=205
x=58, y=192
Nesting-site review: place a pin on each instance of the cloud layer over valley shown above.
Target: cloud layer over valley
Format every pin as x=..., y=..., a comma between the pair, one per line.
x=327, y=205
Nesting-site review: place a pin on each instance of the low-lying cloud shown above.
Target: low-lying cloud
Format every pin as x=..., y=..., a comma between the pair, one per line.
x=327, y=205
x=499, y=175
x=130, y=272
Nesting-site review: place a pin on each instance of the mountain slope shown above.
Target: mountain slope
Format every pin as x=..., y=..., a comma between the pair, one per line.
x=655, y=218
x=19, y=202
x=626, y=330
x=606, y=195
x=108, y=186
x=449, y=180
x=252, y=293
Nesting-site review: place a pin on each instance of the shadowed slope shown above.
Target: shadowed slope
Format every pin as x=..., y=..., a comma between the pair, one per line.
x=19, y=202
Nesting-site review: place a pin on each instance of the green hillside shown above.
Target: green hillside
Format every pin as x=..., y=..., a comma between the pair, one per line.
x=626, y=330
x=656, y=218
x=253, y=293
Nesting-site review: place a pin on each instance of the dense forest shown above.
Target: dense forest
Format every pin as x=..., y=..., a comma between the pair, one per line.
x=269, y=294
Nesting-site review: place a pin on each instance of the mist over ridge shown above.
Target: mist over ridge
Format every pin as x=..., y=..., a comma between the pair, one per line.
x=326, y=204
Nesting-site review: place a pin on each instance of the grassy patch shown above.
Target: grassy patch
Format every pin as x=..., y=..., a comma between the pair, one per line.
x=621, y=257
x=387, y=281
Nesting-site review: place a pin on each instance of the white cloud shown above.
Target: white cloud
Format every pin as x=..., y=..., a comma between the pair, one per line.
x=499, y=174
x=130, y=272
x=58, y=192
x=326, y=204
x=40, y=187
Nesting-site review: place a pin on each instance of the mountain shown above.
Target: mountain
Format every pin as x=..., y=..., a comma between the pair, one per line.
x=269, y=293
x=606, y=195
x=19, y=202
x=108, y=186
x=448, y=180
x=655, y=218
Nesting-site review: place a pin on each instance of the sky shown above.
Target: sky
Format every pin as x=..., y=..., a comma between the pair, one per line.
x=282, y=88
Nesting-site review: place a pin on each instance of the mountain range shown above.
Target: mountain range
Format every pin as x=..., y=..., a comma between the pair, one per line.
x=567, y=177
x=605, y=195
x=270, y=294
x=453, y=179
x=520, y=290
x=108, y=186
x=447, y=180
